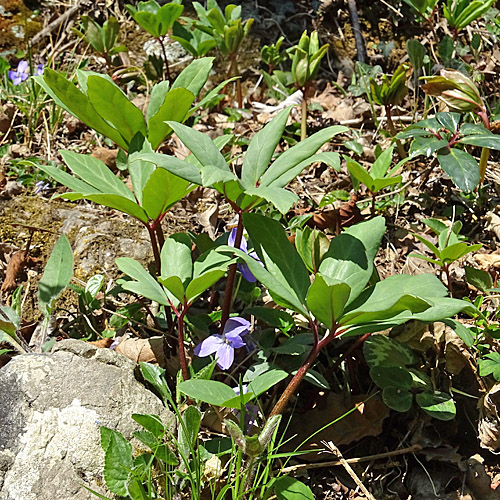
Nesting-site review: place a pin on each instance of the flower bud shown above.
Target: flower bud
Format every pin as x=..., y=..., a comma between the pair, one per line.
x=455, y=90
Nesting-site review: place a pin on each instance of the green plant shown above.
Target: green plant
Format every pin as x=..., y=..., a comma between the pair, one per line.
x=450, y=246
x=192, y=39
x=460, y=13
x=391, y=369
x=390, y=93
x=425, y=8
x=56, y=276
x=377, y=177
x=102, y=38
x=259, y=184
x=272, y=55
x=228, y=30
x=442, y=135
x=157, y=21
x=306, y=57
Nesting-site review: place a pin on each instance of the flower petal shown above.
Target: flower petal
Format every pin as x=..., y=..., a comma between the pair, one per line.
x=22, y=67
x=235, y=341
x=237, y=325
x=232, y=239
x=225, y=356
x=246, y=273
x=209, y=346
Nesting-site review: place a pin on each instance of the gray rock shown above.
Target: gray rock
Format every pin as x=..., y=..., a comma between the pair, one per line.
x=51, y=408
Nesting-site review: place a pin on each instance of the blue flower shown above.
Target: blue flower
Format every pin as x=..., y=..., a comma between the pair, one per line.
x=223, y=345
x=244, y=269
x=39, y=70
x=21, y=74
x=251, y=410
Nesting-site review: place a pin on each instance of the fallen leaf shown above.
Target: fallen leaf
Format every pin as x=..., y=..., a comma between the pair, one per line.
x=18, y=262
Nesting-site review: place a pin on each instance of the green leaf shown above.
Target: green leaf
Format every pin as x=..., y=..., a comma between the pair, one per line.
x=194, y=77
x=359, y=173
x=482, y=280
x=289, y=488
x=162, y=190
x=145, y=284
x=350, y=256
x=382, y=164
x=155, y=376
x=261, y=149
x=462, y=331
x=188, y=431
x=273, y=317
x=391, y=376
x=416, y=53
x=393, y=295
x=485, y=140
x=180, y=168
x=437, y=404
x=67, y=180
x=96, y=173
x=461, y=167
x=326, y=300
x=454, y=252
x=77, y=103
x=277, y=173
x=176, y=258
x=208, y=391
x=202, y=283
x=56, y=276
x=380, y=350
x=151, y=423
x=278, y=255
x=202, y=147
x=175, y=108
x=489, y=364
x=114, y=107
x=397, y=399
x=117, y=460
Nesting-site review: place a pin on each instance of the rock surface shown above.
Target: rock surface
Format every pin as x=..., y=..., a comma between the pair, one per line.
x=51, y=408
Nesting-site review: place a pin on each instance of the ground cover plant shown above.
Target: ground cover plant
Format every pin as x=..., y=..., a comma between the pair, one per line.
x=320, y=265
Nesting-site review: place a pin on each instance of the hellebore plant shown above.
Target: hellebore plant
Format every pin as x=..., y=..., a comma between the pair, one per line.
x=223, y=345
x=259, y=183
x=157, y=21
x=101, y=38
x=228, y=31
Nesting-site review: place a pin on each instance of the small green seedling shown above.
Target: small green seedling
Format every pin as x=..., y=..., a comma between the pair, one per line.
x=451, y=246
x=390, y=369
x=378, y=177
x=157, y=21
x=307, y=56
x=391, y=92
x=101, y=38
x=272, y=55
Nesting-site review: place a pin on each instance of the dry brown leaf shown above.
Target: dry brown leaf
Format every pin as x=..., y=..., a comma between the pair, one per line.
x=489, y=421
x=485, y=261
x=493, y=224
x=15, y=267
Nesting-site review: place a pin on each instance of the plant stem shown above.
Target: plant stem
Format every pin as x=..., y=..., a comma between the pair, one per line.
x=303, y=122
x=182, y=348
x=301, y=372
x=393, y=132
x=154, y=245
x=448, y=279
x=483, y=163
x=167, y=69
x=373, y=204
x=231, y=274
x=239, y=94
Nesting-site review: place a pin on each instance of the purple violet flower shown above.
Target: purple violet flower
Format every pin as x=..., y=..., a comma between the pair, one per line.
x=223, y=346
x=39, y=70
x=243, y=268
x=21, y=74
